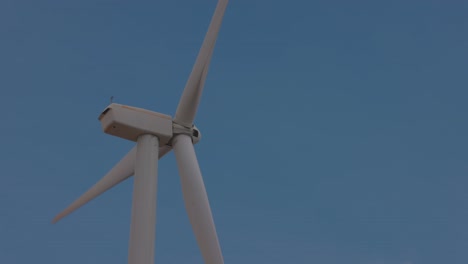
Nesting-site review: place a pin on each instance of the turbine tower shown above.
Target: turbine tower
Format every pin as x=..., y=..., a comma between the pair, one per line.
x=155, y=135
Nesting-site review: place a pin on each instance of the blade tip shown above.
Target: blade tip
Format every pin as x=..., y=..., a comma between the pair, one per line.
x=56, y=218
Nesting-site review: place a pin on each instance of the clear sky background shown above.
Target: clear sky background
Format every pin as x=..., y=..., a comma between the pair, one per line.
x=334, y=132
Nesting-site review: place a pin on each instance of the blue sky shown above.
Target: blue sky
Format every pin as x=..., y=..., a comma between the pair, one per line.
x=333, y=131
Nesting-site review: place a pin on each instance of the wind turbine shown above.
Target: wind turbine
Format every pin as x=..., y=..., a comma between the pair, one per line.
x=155, y=135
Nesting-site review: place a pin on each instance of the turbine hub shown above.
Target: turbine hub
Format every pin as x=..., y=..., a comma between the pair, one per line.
x=193, y=131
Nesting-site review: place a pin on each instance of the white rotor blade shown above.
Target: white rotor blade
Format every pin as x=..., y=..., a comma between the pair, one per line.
x=120, y=172
x=196, y=200
x=188, y=104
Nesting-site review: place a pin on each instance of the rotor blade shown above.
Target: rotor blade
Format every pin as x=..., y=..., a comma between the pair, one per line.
x=196, y=200
x=188, y=104
x=120, y=172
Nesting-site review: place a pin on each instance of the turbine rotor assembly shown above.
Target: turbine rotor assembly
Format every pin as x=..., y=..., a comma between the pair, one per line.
x=155, y=135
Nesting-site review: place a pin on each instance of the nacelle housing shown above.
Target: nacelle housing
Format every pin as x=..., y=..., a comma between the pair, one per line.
x=130, y=122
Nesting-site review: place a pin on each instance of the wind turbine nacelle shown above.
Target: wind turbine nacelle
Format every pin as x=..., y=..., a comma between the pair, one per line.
x=131, y=122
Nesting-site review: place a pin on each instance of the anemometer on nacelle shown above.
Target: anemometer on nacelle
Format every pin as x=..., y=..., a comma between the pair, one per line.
x=130, y=122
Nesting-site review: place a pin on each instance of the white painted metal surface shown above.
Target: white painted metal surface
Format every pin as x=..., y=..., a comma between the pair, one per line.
x=130, y=122
x=143, y=221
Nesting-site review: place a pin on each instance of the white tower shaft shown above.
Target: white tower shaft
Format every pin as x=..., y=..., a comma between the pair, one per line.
x=143, y=222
